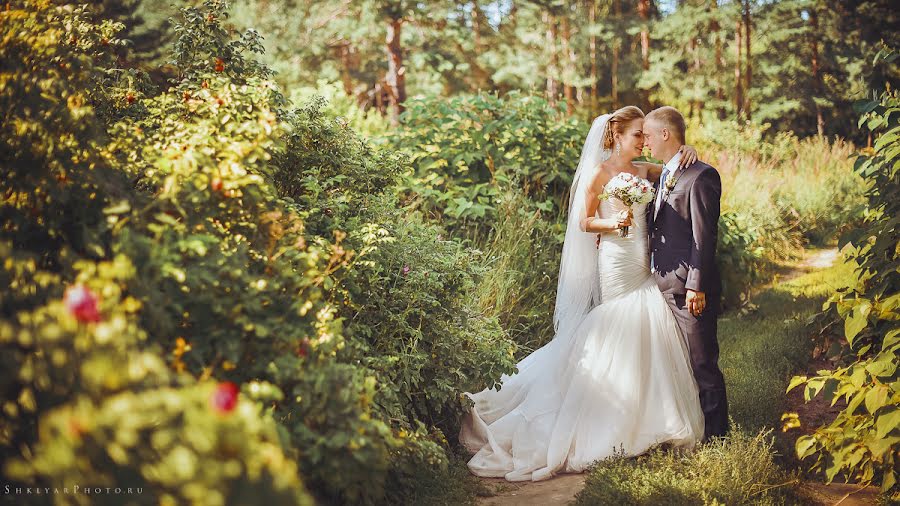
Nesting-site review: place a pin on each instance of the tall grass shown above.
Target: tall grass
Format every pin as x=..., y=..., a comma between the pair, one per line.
x=521, y=255
x=734, y=471
x=795, y=192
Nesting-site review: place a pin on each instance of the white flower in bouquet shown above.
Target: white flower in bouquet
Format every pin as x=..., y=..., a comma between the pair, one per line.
x=631, y=190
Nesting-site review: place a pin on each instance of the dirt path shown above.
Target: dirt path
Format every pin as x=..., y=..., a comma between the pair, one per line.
x=561, y=490
x=557, y=490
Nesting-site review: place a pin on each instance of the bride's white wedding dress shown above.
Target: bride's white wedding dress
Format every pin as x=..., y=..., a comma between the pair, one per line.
x=621, y=382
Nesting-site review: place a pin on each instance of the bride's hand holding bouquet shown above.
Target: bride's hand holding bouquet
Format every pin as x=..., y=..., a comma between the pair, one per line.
x=631, y=190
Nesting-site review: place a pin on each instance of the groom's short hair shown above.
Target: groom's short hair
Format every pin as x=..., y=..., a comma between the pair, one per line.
x=671, y=119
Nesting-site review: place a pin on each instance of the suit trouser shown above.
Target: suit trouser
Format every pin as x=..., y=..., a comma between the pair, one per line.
x=703, y=345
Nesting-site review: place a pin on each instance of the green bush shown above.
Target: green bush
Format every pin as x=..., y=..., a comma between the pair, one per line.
x=248, y=243
x=861, y=442
x=465, y=147
x=95, y=404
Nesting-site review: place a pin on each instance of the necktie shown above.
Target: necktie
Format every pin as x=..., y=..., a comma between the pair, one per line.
x=662, y=187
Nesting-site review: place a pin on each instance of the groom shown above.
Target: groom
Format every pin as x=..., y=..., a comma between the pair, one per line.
x=683, y=225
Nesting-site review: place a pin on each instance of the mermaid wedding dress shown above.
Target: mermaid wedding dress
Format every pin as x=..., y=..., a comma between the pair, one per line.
x=619, y=380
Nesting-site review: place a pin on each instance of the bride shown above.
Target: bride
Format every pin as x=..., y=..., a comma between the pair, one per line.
x=616, y=376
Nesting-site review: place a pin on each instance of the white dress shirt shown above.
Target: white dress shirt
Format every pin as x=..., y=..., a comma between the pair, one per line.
x=669, y=168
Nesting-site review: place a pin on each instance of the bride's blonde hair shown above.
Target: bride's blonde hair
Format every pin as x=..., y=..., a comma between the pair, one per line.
x=617, y=123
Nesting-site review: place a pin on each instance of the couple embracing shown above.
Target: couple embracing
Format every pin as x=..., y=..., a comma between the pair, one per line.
x=633, y=363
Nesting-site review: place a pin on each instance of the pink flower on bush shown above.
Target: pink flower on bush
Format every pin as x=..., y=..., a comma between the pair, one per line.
x=225, y=397
x=82, y=303
x=405, y=270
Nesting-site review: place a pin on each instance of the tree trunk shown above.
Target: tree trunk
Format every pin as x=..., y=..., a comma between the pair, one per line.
x=716, y=29
x=343, y=51
x=595, y=91
x=738, y=85
x=553, y=66
x=644, y=13
x=396, y=78
x=569, y=55
x=817, y=79
x=748, y=75
x=697, y=66
x=477, y=16
x=615, y=59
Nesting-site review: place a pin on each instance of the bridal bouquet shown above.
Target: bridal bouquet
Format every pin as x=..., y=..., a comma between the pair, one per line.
x=630, y=189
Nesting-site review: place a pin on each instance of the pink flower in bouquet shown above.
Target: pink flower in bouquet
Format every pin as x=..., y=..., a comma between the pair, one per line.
x=225, y=397
x=82, y=303
x=630, y=190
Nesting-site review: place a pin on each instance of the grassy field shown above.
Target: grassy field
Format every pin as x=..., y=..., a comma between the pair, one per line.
x=760, y=349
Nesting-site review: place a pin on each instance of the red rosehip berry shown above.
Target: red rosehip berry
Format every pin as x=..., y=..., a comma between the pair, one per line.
x=129, y=98
x=220, y=65
x=82, y=304
x=76, y=429
x=216, y=184
x=303, y=347
x=225, y=397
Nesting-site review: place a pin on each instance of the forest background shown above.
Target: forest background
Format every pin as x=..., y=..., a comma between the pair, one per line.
x=258, y=249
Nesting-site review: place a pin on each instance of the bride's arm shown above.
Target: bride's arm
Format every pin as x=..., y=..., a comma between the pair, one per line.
x=654, y=170
x=590, y=223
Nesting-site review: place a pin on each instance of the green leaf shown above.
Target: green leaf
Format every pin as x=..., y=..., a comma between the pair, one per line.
x=813, y=387
x=887, y=421
x=883, y=365
x=857, y=320
x=891, y=338
x=795, y=382
x=805, y=446
x=889, y=480
x=865, y=106
x=123, y=206
x=876, y=398
x=855, y=401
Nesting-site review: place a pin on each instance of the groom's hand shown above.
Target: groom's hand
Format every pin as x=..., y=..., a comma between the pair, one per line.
x=696, y=302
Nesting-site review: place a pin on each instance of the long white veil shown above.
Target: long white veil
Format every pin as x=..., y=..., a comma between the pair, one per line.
x=578, y=290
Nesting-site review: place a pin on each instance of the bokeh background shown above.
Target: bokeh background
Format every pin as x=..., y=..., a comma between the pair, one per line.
x=254, y=251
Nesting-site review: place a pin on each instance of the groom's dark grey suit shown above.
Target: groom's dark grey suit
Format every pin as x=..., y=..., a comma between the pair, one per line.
x=683, y=235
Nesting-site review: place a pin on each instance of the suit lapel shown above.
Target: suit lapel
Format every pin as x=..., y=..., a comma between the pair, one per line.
x=662, y=187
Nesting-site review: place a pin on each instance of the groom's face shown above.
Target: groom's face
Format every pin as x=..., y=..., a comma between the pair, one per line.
x=653, y=137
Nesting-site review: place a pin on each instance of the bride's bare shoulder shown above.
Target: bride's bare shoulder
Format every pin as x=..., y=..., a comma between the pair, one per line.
x=601, y=177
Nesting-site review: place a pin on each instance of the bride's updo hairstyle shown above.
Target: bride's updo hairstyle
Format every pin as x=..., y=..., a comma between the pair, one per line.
x=618, y=122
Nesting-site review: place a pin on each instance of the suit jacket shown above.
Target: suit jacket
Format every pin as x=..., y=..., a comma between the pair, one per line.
x=684, y=232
